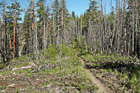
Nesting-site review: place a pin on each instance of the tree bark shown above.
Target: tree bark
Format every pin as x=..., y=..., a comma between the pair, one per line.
x=14, y=30
x=44, y=35
x=53, y=30
x=10, y=46
x=47, y=27
x=32, y=29
x=4, y=33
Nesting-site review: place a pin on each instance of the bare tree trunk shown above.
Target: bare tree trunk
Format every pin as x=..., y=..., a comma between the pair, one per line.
x=4, y=33
x=133, y=27
x=32, y=31
x=47, y=28
x=136, y=26
x=129, y=44
x=102, y=27
x=53, y=30
x=138, y=31
x=81, y=29
x=27, y=40
x=40, y=38
x=125, y=41
x=58, y=28
x=16, y=45
x=124, y=29
x=10, y=46
x=63, y=39
x=78, y=27
x=14, y=29
x=118, y=24
x=35, y=40
x=113, y=35
x=44, y=35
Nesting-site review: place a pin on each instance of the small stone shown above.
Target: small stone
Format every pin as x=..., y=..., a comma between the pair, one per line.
x=22, y=89
x=37, y=79
x=12, y=85
x=3, y=91
x=14, y=73
x=4, y=78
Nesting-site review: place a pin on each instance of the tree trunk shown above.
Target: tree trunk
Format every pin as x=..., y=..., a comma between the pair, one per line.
x=35, y=40
x=32, y=31
x=4, y=33
x=14, y=29
x=27, y=40
x=44, y=35
x=47, y=28
x=53, y=30
x=10, y=46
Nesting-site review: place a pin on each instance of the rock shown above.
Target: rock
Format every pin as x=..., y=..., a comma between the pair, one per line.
x=3, y=91
x=22, y=89
x=4, y=78
x=12, y=85
x=37, y=79
x=14, y=73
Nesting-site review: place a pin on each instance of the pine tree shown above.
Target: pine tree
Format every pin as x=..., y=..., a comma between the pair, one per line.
x=64, y=20
x=12, y=21
x=55, y=12
x=3, y=34
x=42, y=23
x=26, y=27
x=91, y=21
x=48, y=25
x=32, y=27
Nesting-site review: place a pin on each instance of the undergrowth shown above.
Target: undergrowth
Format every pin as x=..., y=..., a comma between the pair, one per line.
x=56, y=69
x=117, y=72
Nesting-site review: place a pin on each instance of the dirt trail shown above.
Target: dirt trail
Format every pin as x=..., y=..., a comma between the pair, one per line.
x=101, y=86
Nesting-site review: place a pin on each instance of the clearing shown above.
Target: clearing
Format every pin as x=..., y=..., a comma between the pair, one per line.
x=66, y=70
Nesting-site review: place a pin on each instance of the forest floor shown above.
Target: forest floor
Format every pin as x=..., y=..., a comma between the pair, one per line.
x=51, y=73
x=66, y=70
x=101, y=87
x=118, y=73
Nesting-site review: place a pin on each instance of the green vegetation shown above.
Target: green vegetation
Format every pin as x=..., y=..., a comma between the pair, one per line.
x=121, y=74
x=51, y=42
x=3, y=87
x=59, y=69
x=56, y=69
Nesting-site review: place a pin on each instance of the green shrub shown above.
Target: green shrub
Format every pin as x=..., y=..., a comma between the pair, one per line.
x=51, y=52
x=66, y=51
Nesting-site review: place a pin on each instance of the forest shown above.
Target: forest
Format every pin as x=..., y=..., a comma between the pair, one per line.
x=51, y=50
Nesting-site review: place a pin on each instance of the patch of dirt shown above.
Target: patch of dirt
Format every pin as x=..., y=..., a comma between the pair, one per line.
x=101, y=87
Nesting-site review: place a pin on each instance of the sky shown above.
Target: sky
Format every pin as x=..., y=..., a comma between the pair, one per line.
x=78, y=6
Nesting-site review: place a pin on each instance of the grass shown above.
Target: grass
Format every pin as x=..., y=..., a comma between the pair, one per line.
x=3, y=87
x=120, y=73
x=45, y=84
x=56, y=69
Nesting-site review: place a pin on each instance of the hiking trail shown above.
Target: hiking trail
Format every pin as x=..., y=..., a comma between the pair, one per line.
x=101, y=87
